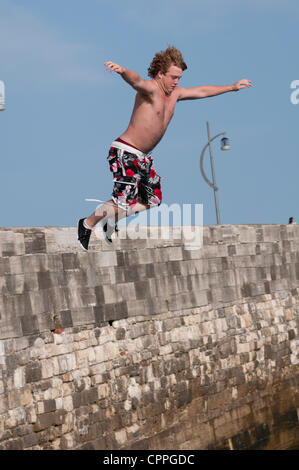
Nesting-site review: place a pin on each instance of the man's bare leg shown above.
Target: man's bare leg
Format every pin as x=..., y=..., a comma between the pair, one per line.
x=110, y=211
x=111, y=214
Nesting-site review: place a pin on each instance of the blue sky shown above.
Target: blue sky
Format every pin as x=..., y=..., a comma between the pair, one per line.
x=63, y=109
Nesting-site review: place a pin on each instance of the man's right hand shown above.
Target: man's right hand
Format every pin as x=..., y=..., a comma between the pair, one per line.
x=114, y=67
x=132, y=78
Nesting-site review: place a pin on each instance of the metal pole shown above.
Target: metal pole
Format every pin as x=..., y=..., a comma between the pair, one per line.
x=213, y=176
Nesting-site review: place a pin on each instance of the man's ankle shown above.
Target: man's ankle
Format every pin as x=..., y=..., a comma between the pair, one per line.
x=87, y=225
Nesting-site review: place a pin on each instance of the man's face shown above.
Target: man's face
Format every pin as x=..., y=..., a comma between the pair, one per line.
x=171, y=78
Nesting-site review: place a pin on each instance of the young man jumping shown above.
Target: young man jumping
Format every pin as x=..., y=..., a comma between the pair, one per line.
x=136, y=184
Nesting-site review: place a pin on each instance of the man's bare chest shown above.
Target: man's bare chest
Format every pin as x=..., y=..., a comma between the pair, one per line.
x=164, y=108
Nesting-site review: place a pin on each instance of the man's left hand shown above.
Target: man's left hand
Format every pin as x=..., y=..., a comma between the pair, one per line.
x=241, y=84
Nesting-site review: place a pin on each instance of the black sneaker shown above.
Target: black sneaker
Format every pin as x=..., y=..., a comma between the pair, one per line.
x=83, y=235
x=108, y=230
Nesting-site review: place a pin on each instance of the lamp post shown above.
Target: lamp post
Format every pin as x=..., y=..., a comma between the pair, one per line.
x=224, y=146
x=2, y=96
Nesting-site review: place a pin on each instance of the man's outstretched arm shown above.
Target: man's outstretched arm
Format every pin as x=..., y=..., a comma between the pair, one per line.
x=131, y=77
x=204, y=91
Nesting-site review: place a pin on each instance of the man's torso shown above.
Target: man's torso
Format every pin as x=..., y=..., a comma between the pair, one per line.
x=150, y=118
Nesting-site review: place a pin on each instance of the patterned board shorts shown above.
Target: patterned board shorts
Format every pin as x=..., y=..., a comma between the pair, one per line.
x=134, y=177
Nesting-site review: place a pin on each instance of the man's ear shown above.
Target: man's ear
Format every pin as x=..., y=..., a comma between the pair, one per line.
x=160, y=74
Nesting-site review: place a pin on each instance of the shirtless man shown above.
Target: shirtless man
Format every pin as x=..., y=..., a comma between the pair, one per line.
x=136, y=184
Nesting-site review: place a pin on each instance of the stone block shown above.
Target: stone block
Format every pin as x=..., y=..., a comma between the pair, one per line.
x=19, y=378
x=44, y=280
x=121, y=310
x=4, y=266
x=10, y=325
x=110, y=312
x=39, y=302
x=142, y=289
x=75, y=278
x=137, y=307
x=125, y=291
x=12, y=243
x=99, y=293
x=241, y=441
x=174, y=253
x=67, y=362
x=218, y=251
x=44, y=421
x=247, y=234
x=82, y=316
x=35, y=242
x=173, y=268
x=30, y=324
x=30, y=440
x=18, y=304
x=129, y=274
x=54, y=262
x=33, y=372
x=46, y=322
x=49, y=367
x=70, y=261
x=65, y=319
x=144, y=256
x=258, y=289
x=103, y=258
x=13, y=284
x=165, y=286
x=225, y=294
x=112, y=293
x=122, y=275
x=14, y=444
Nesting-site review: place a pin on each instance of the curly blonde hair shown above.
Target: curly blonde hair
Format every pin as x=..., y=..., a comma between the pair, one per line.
x=164, y=59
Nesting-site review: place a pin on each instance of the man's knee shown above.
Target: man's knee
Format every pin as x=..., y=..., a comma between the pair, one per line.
x=108, y=209
x=156, y=199
x=136, y=208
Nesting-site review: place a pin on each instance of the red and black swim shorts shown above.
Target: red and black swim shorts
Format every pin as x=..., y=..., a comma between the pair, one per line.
x=134, y=176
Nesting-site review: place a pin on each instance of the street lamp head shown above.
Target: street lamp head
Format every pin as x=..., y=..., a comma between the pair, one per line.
x=2, y=96
x=225, y=143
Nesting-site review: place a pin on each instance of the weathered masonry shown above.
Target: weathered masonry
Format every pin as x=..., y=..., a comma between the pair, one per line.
x=149, y=345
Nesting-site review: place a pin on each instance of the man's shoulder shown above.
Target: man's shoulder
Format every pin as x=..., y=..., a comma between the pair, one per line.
x=148, y=90
x=151, y=85
x=180, y=91
x=147, y=87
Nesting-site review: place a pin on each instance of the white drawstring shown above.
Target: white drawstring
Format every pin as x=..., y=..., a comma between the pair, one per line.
x=99, y=200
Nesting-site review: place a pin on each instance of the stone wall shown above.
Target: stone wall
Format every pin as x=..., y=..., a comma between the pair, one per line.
x=148, y=345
